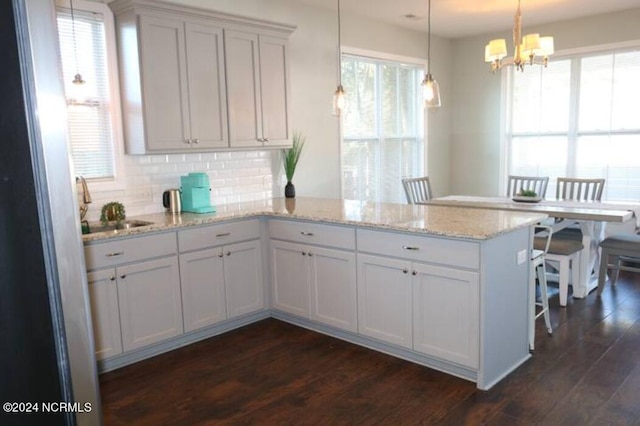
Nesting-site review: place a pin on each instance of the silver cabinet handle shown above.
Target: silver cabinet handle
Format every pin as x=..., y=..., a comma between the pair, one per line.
x=306, y=234
x=112, y=278
x=115, y=253
x=123, y=276
x=188, y=141
x=304, y=253
x=414, y=273
x=310, y=254
x=405, y=271
x=265, y=140
x=224, y=234
x=196, y=141
x=220, y=254
x=228, y=253
x=260, y=140
x=414, y=248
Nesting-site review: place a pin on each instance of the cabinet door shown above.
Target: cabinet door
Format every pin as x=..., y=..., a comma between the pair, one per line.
x=207, y=92
x=150, y=307
x=446, y=313
x=290, y=278
x=274, y=86
x=243, y=89
x=384, y=299
x=202, y=279
x=243, y=278
x=164, y=84
x=333, y=287
x=103, y=295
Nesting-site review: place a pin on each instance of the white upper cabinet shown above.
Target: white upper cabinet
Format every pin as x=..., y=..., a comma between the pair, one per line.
x=164, y=85
x=258, y=89
x=197, y=80
x=207, y=90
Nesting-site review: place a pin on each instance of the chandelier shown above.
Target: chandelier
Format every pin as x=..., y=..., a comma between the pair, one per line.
x=528, y=50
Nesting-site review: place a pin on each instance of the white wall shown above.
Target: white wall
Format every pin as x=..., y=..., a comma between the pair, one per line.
x=313, y=62
x=476, y=133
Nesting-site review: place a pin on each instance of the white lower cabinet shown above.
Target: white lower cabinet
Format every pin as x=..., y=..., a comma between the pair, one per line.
x=202, y=278
x=431, y=309
x=243, y=278
x=103, y=295
x=315, y=282
x=446, y=317
x=134, y=290
x=221, y=278
x=150, y=303
x=384, y=299
x=290, y=278
x=135, y=305
x=333, y=287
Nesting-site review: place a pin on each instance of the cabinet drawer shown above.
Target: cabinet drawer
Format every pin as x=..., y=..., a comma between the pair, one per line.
x=313, y=233
x=128, y=250
x=461, y=254
x=216, y=235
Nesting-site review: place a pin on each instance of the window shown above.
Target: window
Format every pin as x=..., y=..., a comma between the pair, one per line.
x=579, y=118
x=91, y=107
x=382, y=128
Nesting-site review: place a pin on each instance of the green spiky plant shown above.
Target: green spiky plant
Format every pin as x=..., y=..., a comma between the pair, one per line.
x=291, y=156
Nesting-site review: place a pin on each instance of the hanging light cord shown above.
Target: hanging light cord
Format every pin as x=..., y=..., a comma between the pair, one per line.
x=78, y=78
x=339, y=48
x=429, y=39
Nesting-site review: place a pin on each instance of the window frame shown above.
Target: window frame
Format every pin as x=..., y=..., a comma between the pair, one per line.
x=573, y=133
x=118, y=181
x=389, y=57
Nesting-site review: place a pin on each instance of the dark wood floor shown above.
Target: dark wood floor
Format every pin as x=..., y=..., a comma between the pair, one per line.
x=271, y=372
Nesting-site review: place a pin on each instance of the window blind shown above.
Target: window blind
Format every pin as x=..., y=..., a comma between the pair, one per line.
x=579, y=118
x=382, y=128
x=88, y=105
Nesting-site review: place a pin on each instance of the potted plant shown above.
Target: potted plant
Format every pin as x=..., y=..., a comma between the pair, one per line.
x=112, y=212
x=290, y=159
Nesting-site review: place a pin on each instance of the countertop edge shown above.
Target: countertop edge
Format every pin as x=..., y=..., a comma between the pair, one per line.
x=211, y=220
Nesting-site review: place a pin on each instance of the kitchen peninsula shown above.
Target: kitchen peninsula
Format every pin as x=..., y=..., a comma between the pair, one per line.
x=445, y=287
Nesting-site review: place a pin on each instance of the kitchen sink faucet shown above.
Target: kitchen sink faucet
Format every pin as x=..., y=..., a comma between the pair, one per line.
x=86, y=197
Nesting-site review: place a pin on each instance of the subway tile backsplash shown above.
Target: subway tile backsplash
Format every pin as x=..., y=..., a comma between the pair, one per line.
x=234, y=177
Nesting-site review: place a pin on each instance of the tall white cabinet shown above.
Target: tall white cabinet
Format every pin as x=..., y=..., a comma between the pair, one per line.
x=197, y=80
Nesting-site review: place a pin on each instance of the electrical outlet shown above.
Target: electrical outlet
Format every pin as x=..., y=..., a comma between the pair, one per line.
x=522, y=257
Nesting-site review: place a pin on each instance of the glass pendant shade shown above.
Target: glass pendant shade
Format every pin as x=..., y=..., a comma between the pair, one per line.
x=431, y=91
x=430, y=88
x=338, y=100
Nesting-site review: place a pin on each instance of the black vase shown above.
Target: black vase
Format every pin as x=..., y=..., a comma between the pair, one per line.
x=289, y=190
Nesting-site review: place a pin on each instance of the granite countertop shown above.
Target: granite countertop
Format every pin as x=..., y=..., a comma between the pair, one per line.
x=457, y=222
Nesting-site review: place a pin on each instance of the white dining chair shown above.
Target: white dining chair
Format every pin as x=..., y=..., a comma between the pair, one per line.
x=538, y=264
x=579, y=189
x=538, y=184
x=567, y=243
x=563, y=254
x=417, y=190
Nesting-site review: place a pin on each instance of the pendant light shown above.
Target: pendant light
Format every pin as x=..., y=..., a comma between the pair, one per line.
x=338, y=96
x=430, y=87
x=77, y=79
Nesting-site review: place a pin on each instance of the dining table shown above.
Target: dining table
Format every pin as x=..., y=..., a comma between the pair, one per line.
x=591, y=216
